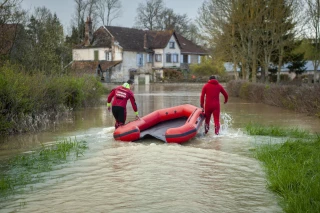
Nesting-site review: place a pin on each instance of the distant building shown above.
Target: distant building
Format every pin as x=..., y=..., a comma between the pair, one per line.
x=284, y=70
x=119, y=53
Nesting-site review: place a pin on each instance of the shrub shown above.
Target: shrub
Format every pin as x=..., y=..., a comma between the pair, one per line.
x=207, y=68
x=172, y=74
x=25, y=97
x=299, y=98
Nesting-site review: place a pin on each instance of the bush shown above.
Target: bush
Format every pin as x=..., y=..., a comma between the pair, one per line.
x=207, y=68
x=25, y=97
x=299, y=98
x=172, y=74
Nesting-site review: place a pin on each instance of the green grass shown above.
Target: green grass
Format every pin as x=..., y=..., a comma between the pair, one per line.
x=292, y=168
x=257, y=129
x=27, y=169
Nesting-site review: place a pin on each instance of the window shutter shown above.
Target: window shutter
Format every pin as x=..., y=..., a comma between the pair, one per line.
x=181, y=59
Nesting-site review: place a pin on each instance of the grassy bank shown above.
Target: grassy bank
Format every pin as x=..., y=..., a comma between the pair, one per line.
x=292, y=167
x=27, y=169
x=28, y=100
x=301, y=98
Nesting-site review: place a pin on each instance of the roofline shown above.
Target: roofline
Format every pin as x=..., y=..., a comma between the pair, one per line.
x=90, y=47
x=176, y=37
x=108, y=31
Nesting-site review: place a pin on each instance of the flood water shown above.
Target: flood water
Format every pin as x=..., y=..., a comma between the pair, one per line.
x=207, y=174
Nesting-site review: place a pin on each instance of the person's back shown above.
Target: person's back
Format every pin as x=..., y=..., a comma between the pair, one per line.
x=210, y=101
x=211, y=91
x=120, y=96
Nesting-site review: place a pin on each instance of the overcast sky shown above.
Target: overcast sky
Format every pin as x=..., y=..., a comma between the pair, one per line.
x=65, y=9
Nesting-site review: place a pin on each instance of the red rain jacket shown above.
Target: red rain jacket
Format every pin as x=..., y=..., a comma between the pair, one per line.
x=211, y=92
x=120, y=97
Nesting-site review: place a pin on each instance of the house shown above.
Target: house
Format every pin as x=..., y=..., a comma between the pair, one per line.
x=118, y=53
x=308, y=73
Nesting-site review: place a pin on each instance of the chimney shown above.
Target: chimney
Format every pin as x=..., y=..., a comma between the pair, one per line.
x=88, y=32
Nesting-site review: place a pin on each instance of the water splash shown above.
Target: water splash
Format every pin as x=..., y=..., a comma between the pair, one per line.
x=226, y=122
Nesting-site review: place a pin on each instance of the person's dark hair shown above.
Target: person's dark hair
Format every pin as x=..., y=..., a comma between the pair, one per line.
x=130, y=81
x=212, y=77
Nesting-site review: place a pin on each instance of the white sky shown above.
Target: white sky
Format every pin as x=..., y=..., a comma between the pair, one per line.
x=65, y=9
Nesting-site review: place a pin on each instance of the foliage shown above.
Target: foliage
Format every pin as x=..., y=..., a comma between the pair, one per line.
x=248, y=32
x=45, y=38
x=25, y=96
x=293, y=97
x=172, y=74
x=297, y=64
x=207, y=67
x=27, y=168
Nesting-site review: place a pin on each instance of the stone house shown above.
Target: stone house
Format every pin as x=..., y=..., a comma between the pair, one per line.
x=118, y=53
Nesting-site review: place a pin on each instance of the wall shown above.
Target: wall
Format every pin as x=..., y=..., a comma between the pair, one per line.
x=158, y=64
x=88, y=54
x=176, y=50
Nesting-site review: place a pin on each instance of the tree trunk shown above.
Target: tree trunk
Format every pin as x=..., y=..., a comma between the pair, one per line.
x=280, y=64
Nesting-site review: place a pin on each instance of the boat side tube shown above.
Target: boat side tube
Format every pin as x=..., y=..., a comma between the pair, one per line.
x=188, y=130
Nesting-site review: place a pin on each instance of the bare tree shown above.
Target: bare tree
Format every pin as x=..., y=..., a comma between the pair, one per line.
x=247, y=32
x=10, y=12
x=148, y=14
x=79, y=17
x=108, y=10
x=92, y=8
x=168, y=20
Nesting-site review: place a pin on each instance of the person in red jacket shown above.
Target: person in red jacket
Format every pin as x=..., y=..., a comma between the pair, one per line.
x=209, y=100
x=120, y=96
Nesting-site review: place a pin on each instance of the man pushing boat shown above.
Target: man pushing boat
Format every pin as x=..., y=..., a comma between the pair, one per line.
x=120, y=96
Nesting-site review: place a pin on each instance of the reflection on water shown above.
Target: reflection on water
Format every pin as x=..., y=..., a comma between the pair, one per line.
x=207, y=174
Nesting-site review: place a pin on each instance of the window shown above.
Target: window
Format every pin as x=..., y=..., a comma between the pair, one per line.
x=149, y=58
x=168, y=58
x=96, y=55
x=175, y=58
x=158, y=57
x=185, y=58
x=171, y=44
x=139, y=59
x=108, y=56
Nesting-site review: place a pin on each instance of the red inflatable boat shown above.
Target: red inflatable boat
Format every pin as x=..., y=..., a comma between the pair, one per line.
x=173, y=125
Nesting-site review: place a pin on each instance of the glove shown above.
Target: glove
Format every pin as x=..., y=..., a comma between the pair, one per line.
x=109, y=106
